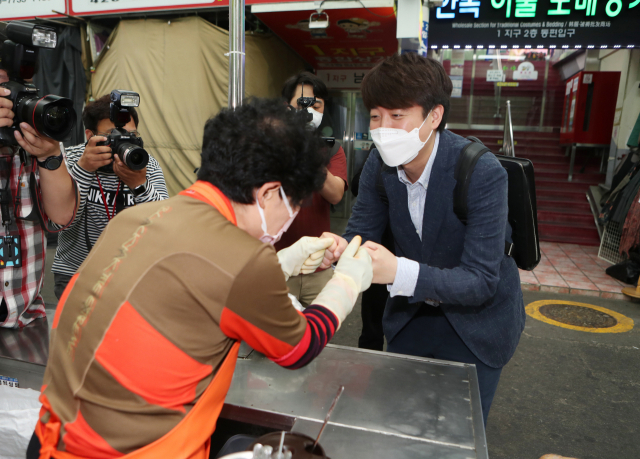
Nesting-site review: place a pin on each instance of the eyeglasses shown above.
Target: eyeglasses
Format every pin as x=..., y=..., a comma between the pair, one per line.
x=104, y=134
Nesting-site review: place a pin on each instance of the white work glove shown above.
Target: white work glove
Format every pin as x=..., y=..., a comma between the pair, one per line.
x=303, y=257
x=352, y=275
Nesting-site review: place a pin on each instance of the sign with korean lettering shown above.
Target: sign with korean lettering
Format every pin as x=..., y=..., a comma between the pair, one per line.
x=28, y=9
x=495, y=75
x=535, y=23
x=356, y=38
x=342, y=79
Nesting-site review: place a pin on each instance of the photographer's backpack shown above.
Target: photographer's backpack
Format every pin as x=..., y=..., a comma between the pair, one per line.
x=523, y=213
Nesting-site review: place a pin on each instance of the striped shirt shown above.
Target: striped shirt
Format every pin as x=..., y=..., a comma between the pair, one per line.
x=21, y=285
x=91, y=217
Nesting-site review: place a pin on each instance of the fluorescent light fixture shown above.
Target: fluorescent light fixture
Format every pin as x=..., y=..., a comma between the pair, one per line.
x=630, y=46
x=552, y=46
x=445, y=46
x=616, y=46
x=503, y=46
x=540, y=46
x=567, y=46
x=468, y=46
x=578, y=46
x=434, y=47
x=456, y=46
x=527, y=46
x=516, y=46
x=590, y=46
x=603, y=47
x=480, y=46
x=492, y=46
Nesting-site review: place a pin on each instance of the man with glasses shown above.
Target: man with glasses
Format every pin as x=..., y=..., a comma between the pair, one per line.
x=106, y=186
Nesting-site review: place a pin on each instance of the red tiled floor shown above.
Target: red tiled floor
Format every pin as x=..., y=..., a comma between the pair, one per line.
x=570, y=268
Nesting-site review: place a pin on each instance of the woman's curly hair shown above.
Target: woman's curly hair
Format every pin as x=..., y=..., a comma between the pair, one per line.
x=262, y=141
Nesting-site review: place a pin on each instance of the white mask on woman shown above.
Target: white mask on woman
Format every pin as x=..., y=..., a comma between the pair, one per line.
x=397, y=146
x=317, y=117
x=266, y=237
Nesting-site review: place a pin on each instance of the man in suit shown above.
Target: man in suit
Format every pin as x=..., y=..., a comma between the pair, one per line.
x=454, y=293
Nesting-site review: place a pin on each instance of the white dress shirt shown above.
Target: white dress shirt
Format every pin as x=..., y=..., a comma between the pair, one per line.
x=408, y=270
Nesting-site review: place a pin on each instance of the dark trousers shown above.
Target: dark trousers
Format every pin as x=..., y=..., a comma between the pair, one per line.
x=371, y=311
x=60, y=282
x=33, y=450
x=429, y=334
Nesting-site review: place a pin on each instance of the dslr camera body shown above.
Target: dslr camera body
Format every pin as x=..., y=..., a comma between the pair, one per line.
x=126, y=145
x=305, y=102
x=52, y=116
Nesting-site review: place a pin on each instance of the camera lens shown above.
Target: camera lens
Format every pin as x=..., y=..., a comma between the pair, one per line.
x=133, y=156
x=52, y=116
x=56, y=118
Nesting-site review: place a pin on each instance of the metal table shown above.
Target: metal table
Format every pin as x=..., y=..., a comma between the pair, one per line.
x=393, y=406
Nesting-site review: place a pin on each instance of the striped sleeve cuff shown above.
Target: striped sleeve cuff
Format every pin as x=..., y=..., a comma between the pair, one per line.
x=321, y=326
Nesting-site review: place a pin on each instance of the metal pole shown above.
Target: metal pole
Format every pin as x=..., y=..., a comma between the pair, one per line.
x=507, y=140
x=236, y=53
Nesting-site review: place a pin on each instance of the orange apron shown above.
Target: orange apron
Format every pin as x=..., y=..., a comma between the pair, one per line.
x=191, y=438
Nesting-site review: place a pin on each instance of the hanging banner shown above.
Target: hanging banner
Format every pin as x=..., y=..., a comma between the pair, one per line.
x=535, y=23
x=11, y=10
x=356, y=38
x=95, y=7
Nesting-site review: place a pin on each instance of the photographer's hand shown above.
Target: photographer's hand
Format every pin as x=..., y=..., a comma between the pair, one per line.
x=129, y=177
x=40, y=147
x=6, y=115
x=94, y=157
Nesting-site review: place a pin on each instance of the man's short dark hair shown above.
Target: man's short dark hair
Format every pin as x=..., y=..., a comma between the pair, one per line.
x=402, y=81
x=319, y=88
x=98, y=110
x=262, y=141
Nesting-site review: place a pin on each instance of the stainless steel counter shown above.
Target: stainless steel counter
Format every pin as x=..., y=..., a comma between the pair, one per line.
x=393, y=406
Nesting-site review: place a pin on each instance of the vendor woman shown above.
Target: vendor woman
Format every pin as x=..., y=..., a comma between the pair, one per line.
x=146, y=334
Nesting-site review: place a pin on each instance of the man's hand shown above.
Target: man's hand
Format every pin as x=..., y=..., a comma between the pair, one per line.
x=40, y=147
x=385, y=263
x=95, y=157
x=128, y=176
x=332, y=254
x=6, y=115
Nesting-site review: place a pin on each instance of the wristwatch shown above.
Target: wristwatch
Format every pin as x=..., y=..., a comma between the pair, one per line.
x=52, y=162
x=137, y=191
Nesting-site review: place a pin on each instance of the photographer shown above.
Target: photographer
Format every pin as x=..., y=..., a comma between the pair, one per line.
x=106, y=185
x=314, y=218
x=22, y=278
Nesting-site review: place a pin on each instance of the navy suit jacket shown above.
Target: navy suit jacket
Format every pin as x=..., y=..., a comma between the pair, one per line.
x=463, y=267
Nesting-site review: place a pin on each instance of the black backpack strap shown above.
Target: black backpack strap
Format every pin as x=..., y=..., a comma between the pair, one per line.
x=469, y=156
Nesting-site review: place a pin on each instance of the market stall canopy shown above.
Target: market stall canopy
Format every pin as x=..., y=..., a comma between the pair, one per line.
x=357, y=36
x=182, y=75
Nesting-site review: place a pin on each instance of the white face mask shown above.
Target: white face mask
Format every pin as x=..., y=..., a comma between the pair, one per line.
x=397, y=146
x=317, y=117
x=266, y=237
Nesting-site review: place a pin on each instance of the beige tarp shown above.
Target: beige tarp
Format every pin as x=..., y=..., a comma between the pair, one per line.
x=180, y=70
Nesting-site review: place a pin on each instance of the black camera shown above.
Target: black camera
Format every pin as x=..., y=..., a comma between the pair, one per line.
x=304, y=103
x=52, y=116
x=126, y=145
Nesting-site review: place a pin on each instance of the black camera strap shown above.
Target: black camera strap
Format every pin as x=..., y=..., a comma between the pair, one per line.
x=6, y=196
